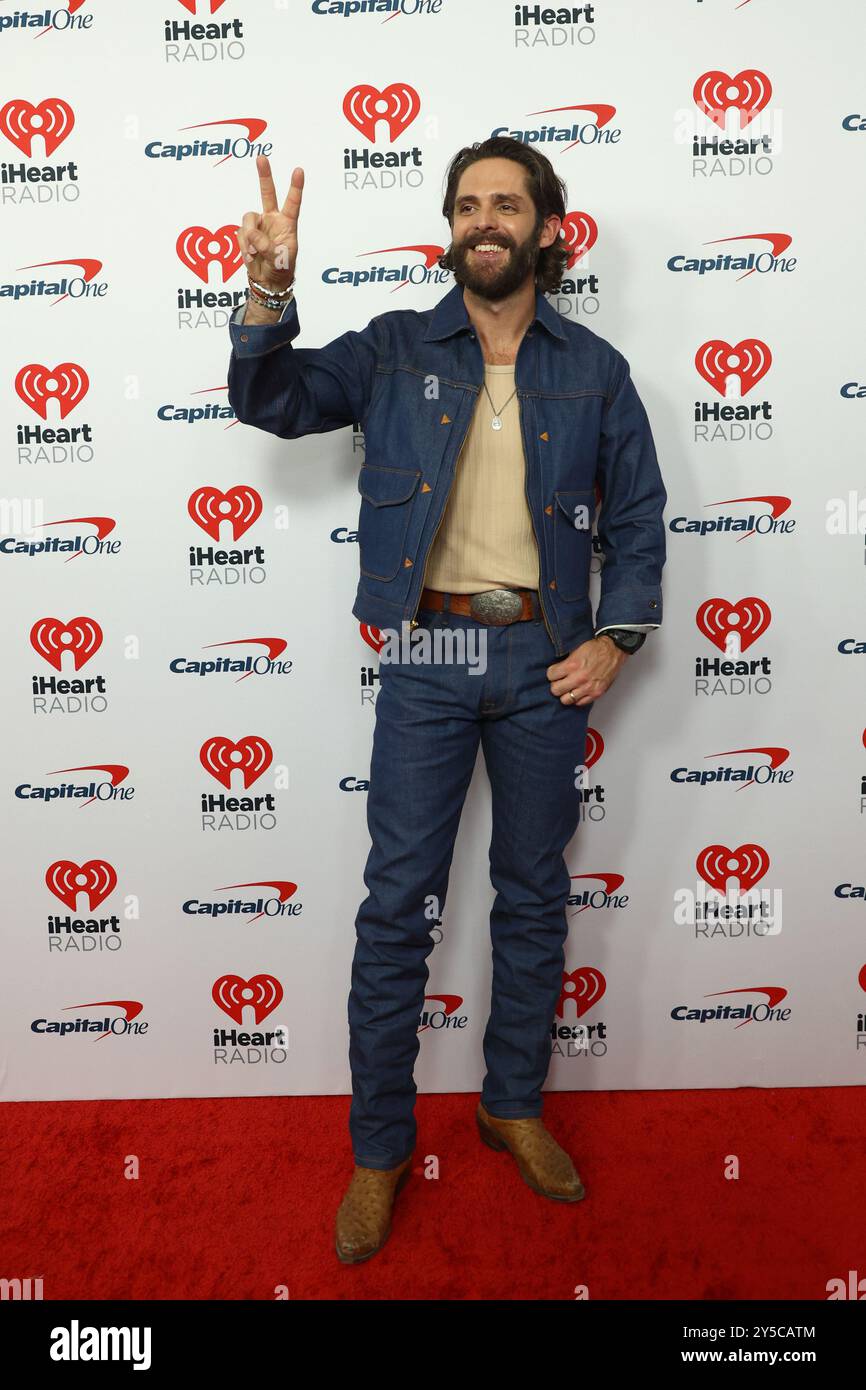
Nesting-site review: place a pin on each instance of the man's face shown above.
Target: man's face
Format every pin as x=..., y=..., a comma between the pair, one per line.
x=494, y=237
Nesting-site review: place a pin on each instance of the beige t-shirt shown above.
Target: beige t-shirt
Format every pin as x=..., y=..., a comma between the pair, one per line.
x=485, y=539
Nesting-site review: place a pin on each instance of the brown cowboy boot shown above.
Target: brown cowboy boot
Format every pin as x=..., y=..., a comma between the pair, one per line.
x=364, y=1215
x=545, y=1166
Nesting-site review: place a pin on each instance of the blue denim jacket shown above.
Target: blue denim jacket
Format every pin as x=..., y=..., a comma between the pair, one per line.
x=411, y=378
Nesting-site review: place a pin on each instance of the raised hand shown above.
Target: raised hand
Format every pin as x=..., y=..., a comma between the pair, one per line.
x=268, y=240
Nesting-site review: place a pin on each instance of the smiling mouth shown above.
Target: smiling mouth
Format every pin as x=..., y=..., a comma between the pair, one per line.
x=488, y=251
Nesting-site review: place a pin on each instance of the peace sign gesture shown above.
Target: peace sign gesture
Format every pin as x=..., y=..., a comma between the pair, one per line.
x=269, y=239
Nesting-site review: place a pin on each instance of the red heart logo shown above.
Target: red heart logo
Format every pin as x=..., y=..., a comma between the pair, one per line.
x=715, y=93
x=716, y=864
x=51, y=638
x=37, y=385
x=584, y=986
x=66, y=880
x=580, y=232
x=52, y=119
x=240, y=505
x=717, y=619
x=262, y=993
x=199, y=249
x=220, y=757
x=398, y=104
x=372, y=636
x=594, y=747
x=748, y=361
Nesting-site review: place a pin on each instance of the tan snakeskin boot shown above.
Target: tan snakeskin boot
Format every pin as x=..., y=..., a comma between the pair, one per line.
x=364, y=1215
x=542, y=1163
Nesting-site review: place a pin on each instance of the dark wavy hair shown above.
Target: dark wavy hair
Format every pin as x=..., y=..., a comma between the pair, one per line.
x=547, y=189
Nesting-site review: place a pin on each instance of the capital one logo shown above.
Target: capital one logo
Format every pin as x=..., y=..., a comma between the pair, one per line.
x=67, y=384
x=251, y=756
x=261, y=993
x=199, y=249
x=747, y=864
x=733, y=627
x=733, y=370
x=96, y=879
x=240, y=506
x=450, y=1004
x=397, y=105
x=587, y=133
x=584, y=987
x=77, y=287
x=51, y=638
x=606, y=895
x=580, y=232
x=21, y=121
x=716, y=94
x=418, y=272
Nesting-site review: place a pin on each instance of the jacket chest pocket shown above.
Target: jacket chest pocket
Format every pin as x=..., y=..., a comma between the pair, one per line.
x=386, y=505
x=572, y=542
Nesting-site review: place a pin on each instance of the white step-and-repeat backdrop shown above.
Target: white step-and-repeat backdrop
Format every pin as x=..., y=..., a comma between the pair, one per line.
x=177, y=587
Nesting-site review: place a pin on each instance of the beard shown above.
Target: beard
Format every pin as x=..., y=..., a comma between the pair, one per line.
x=495, y=280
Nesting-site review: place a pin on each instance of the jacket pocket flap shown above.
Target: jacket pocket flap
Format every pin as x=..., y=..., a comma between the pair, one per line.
x=383, y=486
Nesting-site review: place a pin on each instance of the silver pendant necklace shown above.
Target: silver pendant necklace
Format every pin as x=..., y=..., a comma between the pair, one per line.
x=496, y=422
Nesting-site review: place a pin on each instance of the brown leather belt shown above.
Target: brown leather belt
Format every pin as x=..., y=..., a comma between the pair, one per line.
x=492, y=606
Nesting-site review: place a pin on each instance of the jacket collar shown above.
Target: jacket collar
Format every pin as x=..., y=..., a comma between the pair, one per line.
x=450, y=316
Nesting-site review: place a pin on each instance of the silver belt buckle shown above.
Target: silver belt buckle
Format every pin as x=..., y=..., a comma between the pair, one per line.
x=497, y=606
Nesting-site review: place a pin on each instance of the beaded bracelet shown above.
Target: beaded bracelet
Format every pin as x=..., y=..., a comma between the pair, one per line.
x=267, y=290
x=270, y=300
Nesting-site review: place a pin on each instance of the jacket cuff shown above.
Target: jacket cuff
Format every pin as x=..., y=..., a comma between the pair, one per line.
x=629, y=609
x=256, y=339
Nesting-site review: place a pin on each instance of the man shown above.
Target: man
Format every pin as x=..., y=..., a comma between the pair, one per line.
x=491, y=423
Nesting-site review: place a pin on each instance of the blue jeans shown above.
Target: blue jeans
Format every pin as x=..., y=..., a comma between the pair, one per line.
x=429, y=719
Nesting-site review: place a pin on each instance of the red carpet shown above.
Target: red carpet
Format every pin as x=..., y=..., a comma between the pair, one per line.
x=236, y=1197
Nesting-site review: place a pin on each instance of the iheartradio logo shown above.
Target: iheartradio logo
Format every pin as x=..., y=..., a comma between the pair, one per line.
x=251, y=756
x=733, y=369
x=580, y=233
x=52, y=120
x=397, y=105
x=261, y=993
x=733, y=909
x=51, y=638
x=716, y=94
x=240, y=506
x=199, y=249
x=67, y=384
x=733, y=627
x=96, y=879
x=583, y=987
x=747, y=864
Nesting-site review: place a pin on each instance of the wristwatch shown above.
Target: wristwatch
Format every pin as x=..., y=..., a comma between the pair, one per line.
x=624, y=638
